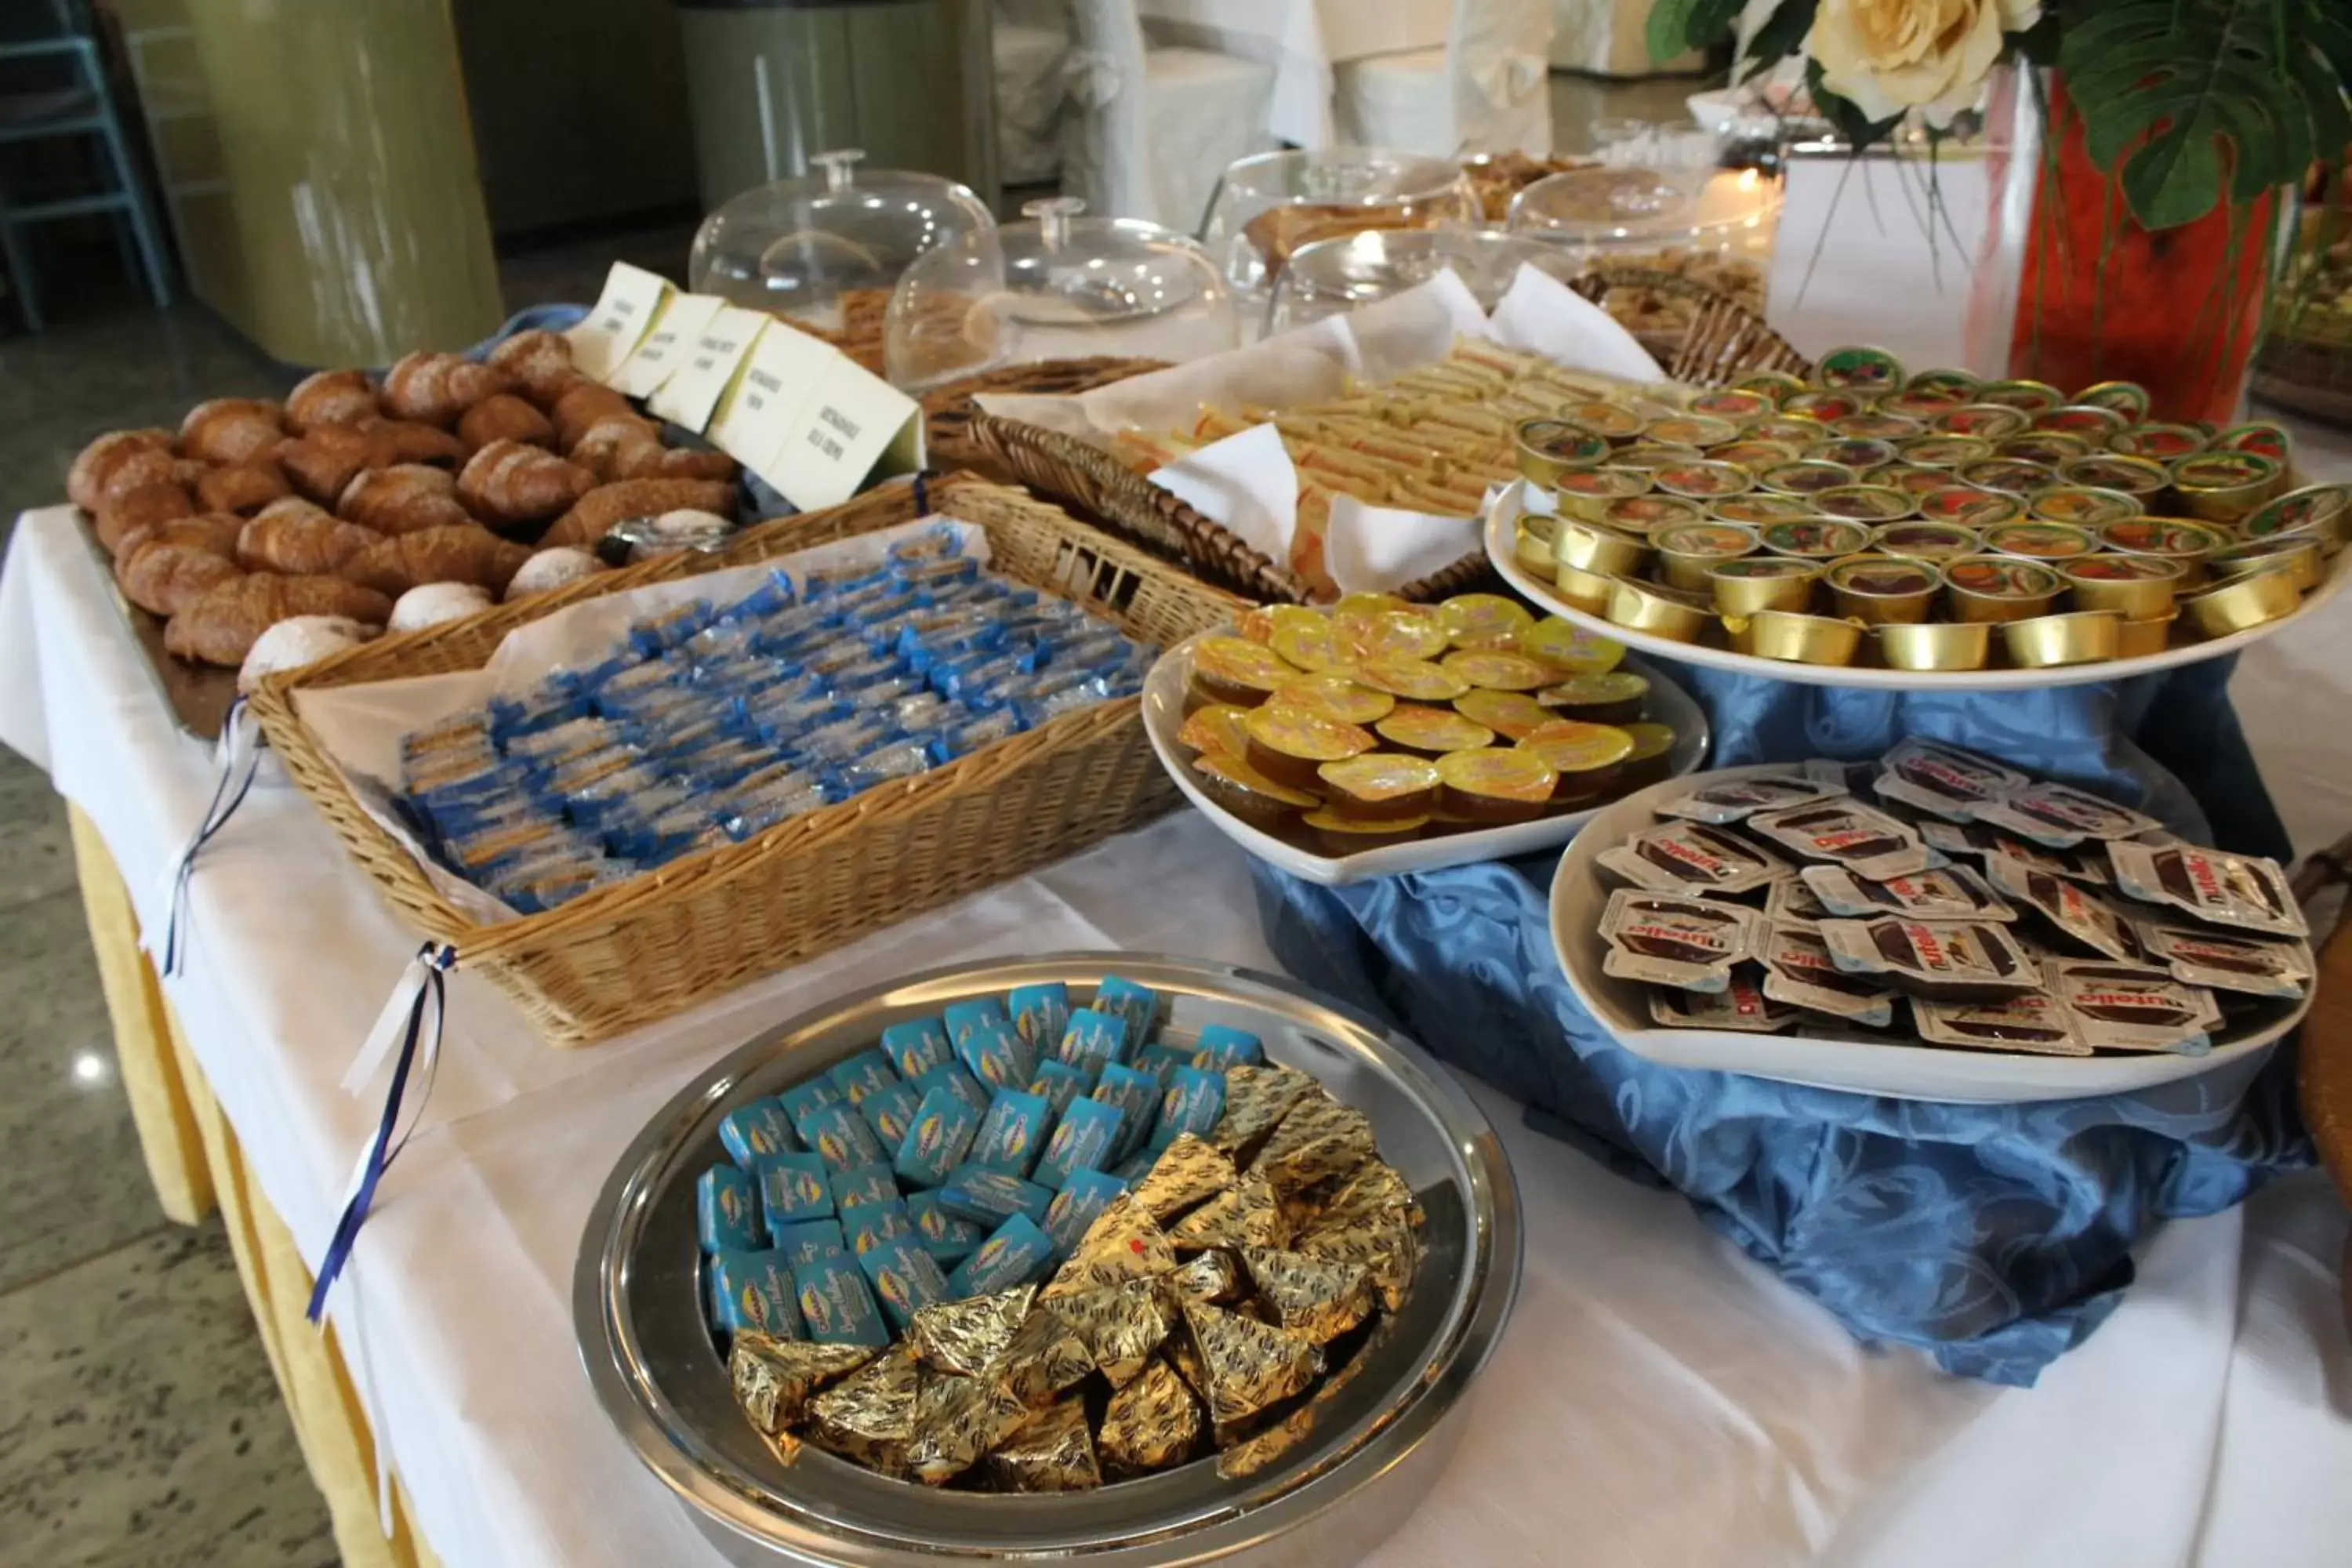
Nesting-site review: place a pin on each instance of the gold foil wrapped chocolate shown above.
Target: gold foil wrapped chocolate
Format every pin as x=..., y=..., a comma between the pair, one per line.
x=1122, y=1325
x=1054, y=1452
x=1124, y=1243
x=1213, y=1277
x=1257, y=1100
x=1246, y=1214
x=1318, y=1141
x=1151, y=1424
x=966, y=1337
x=1374, y=1191
x=773, y=1378
x=1254, y=1453
x=1246, y=1366
x=1189, y=1171
x=1046, y=1357
x=957, y=1421
x=1319, y=1298
x=1384, y=1246
x=870, y=1416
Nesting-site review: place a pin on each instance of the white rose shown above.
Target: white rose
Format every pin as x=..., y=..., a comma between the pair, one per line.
x=1890, y=55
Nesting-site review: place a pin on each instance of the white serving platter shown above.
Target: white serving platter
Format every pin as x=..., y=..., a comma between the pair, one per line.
x=1501, y=534
x=1579, y=893
x=1163, y=715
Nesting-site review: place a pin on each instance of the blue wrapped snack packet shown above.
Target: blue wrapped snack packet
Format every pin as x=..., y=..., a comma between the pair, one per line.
x=938, y=1140
x=1161, y=1062
x=866, y=1184
x=1015, y=1253
x=962, y=1084
x=991, y=1197
x=868, y=1225
x=1093, y=1041
x=793, y=1189
x=726, y=1212
x=799, y=1244
x=753, y=1132
x=868, y=1072
x=837, y=1306
x=890, y=1112
x=1040, y=1013
x=918, y=1046
x=1077, y=1205
x=1057, y=1084
x=1194, y=1103
x=754, y=1290
x=1013, y=1133
x=1222, y=1046
x=1136, y=1095
x=805, y=1097
x=1085, y=1140
x=997, y=1056
x=1137, y=1166
x=1139, y=1005
x=963, y=1017
x=905, y=1277
x=841, y=1136
x=947, y=1236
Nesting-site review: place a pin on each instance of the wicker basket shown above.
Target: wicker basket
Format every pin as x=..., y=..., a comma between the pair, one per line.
x=702, y=925
x=1725, y=339
x=949, y=411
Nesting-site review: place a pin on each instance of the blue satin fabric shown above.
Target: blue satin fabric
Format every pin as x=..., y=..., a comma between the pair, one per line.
x=1996, y=1237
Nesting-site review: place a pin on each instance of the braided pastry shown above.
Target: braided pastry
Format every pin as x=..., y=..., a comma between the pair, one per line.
x=297, y=539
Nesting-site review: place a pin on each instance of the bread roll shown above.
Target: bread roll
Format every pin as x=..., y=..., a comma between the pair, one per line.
x=430, y=603
x=614, y=444
x=508, y=482
x=96, y=463
x=221, y=627
x=435, y=388
x=550, y=569
x=330, y=398
x=296, y=641
x=167, y=578
x=231, y=430
x=504, y=418
x=539, y=363
x=216, y=531
x=140, y=506
x=248, y=486
x=580, y=407
x=468, y=555
x=675, y=463
x=308, y=542
x=603, y=507
x=404, y=498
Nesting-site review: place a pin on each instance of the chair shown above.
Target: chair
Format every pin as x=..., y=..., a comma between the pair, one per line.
x=1154, y=128
x=59, y=91
x=1030, y=49
x=1488, y=90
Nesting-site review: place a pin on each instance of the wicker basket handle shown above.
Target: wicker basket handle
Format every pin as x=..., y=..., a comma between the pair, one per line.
x=1724, y=341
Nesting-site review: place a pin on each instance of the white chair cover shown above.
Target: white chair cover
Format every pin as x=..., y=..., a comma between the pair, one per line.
x=1611, y=38
x=1030, y=46
x=1487, y=91
x=1150, y=130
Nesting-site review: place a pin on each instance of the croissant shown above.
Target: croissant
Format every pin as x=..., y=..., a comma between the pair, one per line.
x=230, y=430
x=140, y=506
x=221, y=626
x=614, y=441
x=322, y=462
x=248, y=487
x=330, y=398
x=508, y=482
x=539, y=363
x=605, y=505
x=435, y=388
x=148, y=467
x=216, y=531
x=468, y=555
x=582, y=406
x=405, y=441
x=167, y=578
x=96, y=463
x=674, y=463
x=402, y=499
x=306, y=542
x=504, y=418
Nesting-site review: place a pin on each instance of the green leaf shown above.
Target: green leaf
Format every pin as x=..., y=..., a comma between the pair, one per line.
x=1856, y=129
x=1677, y=26
x=1783, y=34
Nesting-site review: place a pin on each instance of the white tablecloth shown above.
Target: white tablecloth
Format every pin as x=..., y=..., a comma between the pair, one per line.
x=1302, y=39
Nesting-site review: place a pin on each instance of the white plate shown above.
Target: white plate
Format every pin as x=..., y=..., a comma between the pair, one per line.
x=1502, y=548
x=1907, y=1072
x=1163, y=715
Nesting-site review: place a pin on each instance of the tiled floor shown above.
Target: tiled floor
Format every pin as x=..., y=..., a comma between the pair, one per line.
x=139, y=1422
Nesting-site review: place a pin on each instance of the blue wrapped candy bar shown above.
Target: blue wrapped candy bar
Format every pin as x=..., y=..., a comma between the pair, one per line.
x=918, y=1046
x=750, y=1134
x=991, y=1197
x=947, y=1236
x=1137, y=1166
x=866, y=1184
x=905, y=1277
x=997, y=1056
x=1058, y=1083
x=812, y=1095
x=963, y=1017
x=1085, y=1140
x=840, y=1136
x=1092, y=1041
x=868, y=1225
x=1077, y=1205
x=868, y=1072
x=1040, y=1013
x=726, y=1211
x=1017, y=1252
x=805, y=1243
x=1136, y=1095
x=958, y=1082
x=1194, y=1103
x=753, y=1291
x=793, y=1188
x=1222, y=1046
x=1161, y=1061
x=1139, y=1005
x=1013, y=1133
x=890, y=1112
x=938, y=1140
x=836, y=1304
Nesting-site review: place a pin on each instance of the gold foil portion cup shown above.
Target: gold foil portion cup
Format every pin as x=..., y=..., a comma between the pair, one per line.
x=1936, y=645
x=2078, y=636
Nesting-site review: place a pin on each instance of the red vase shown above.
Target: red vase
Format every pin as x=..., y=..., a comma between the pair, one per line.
x=2089, y=295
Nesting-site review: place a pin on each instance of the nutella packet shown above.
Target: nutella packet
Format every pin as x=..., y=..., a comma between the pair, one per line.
x=1841, y=777
x=1730, y=800
x=1666, y=938
x=1945, y=893
x=1990, y=844
x=2062, y=817
x=1742, y=1007
x=2126, y=1007
x=2242, y=891
x=1691, y=858
x=2034, y=1022
x=1789, y=899
x=1943, y=960
x=1800, y=971
x=2084, y=919
x=1942, y=780
x=1864, y=840
x=2224, y=961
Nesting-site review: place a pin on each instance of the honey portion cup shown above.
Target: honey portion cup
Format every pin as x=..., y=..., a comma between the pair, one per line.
x=1753, y=584
x=1998, y=588
x=1936, y=645
x=1793, y=638
x=2077, y=636
x=1878, y=589
x=2134, y=586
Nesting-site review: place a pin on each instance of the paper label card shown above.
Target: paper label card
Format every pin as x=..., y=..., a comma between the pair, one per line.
x=680, y=323
x=691, y=394
x=856, y=425
x=624, y=313
x=762, y=408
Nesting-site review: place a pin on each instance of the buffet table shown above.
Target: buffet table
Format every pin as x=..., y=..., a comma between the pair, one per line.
x=1658, y=1398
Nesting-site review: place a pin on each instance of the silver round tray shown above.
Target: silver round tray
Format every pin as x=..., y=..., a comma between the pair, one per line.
x=1380, y=1445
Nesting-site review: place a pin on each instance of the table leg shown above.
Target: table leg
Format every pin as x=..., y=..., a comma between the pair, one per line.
x=142, y=1049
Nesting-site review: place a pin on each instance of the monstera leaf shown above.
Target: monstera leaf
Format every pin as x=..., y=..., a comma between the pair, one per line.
x=1676, y=26
x=2186, y=99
